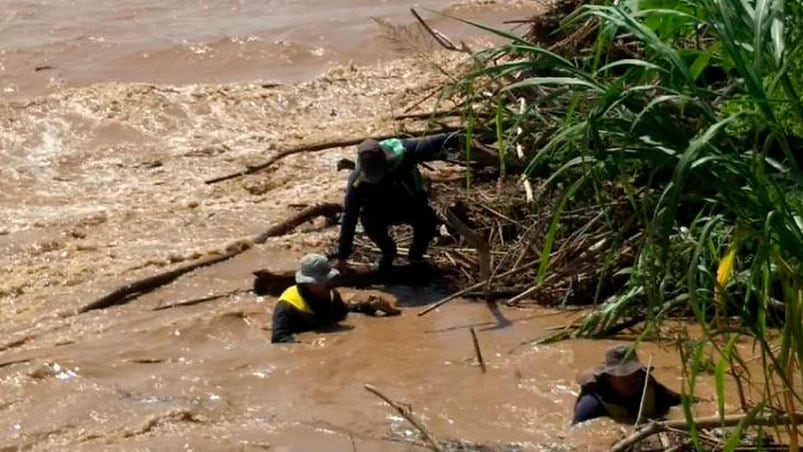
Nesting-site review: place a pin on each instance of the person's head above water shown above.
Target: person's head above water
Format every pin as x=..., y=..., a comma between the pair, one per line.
x=315, y=272
x=372, y=161
x=621, y=371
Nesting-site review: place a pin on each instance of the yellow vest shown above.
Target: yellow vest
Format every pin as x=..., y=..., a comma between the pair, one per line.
x=293, y=297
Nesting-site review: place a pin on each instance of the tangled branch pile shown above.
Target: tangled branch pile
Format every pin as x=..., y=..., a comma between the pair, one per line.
x=679, y=125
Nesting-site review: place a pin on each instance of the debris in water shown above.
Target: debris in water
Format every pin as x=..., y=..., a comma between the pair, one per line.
x=54, y=370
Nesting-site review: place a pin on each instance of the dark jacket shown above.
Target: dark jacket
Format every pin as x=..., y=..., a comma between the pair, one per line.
x=397, y=193
x=289, y=320
x=595, y=399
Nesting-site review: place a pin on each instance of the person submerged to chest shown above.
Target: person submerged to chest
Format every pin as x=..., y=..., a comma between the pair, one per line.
x=315, y=308
x=621, y=388
x=313, y=303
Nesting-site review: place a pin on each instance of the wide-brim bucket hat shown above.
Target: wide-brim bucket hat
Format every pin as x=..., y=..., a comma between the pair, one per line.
x=620, y=361
x=315, y=269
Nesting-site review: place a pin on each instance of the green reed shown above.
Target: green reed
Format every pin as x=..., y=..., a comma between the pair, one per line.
x=694, y=108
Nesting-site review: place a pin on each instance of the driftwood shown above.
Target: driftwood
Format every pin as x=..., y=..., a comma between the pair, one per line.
x=130, y=291
x=272, y=283
x=310, y=148
x=407, y=413
x=703, y=423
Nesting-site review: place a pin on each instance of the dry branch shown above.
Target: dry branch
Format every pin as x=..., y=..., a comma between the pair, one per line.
x=439, y=37
x=522, y=295
x=477, y=286
x=480, y=244
x=130, y=291
x=428, y=114
x=407, y=413
x=703, y=423
x=199, y=300
x=310, y=148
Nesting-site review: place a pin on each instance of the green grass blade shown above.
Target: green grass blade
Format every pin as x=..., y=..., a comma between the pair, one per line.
x=551, y=235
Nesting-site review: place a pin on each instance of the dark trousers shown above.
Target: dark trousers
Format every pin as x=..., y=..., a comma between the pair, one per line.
x=420, y=216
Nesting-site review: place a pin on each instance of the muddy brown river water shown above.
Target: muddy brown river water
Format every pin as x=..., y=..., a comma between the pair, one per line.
x=111, y=117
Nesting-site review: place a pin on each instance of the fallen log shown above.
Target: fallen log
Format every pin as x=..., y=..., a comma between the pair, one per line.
x=311, y=148
x=130, y=291
x=273, y=283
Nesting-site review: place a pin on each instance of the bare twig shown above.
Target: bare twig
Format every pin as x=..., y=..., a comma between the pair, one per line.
x=428, y=114
x=477, y=349
x=477, y=286
x=644, y=391
x=481, y=245
x=439, y=37
x=500, y=214
x=310, y=148
x=407, y=413
x=523, y=295
x=423, y=99
x=703, y=423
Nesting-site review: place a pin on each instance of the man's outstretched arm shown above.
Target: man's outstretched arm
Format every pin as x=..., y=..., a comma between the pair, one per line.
x=348, y=223
x=432, y=147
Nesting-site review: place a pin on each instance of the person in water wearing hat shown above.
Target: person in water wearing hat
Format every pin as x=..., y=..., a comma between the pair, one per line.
x=312, y=303
x=615, y=388
x=385, y=188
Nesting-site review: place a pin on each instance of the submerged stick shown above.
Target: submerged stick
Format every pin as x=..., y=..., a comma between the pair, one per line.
x=479, y=243
x=195, y=301
x=308, y=148
x=130, y=291
x=477, y=349
x=407, y=413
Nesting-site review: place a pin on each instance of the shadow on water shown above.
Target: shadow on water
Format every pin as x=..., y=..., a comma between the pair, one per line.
x=501, y=320
x=411, y=296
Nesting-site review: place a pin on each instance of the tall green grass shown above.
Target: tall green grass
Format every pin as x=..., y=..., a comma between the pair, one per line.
x=702, y=120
